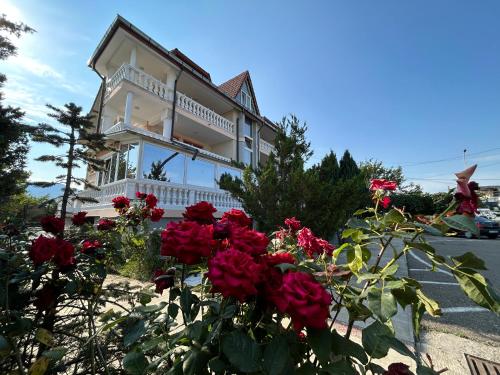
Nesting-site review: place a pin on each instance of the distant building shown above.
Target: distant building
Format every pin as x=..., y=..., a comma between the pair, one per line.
x=490, y=195
x=175, y=131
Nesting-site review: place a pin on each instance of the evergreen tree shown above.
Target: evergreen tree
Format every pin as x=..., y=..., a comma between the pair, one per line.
x=13, y=132
x=156, y=172
x=348, y=167
x=282, y=188
x=82, y=144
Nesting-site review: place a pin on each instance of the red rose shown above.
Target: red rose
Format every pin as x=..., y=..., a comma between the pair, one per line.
x=52, y=224
x=382, y=184
x=151, y=200
x=79, y=218
x=305, y=300
x=163, y=280
x=234, y=274
x=293, y=224
x=278, y=258
x=249, y=241
x=65, y=253
x=90, y=247
x=313, y=245
x=140, y=195
x=121, y=203
x=236, y=217
x=105, y=224
x=222, y=230
x=188, y=241
x=272, y=276
x=398, y=369
x=42, y=250
x=201, y=212
x=45, y=298
x=325, y=246
x=157, y=214
x=385, y=202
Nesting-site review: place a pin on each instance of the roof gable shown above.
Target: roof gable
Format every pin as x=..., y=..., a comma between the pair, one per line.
x=233, y=87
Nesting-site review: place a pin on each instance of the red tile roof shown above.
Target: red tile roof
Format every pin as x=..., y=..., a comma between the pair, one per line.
x=232, y=87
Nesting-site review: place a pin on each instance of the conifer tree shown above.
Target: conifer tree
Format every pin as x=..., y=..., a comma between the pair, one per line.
x=13, y=132
x=81, y=144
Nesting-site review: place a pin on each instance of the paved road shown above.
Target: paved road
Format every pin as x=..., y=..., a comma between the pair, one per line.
x=461, y=316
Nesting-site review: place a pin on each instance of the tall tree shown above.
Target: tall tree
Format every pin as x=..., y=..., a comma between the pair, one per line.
x=81, y=146
x=13, y=132
x=277, y=189
x=321, y=197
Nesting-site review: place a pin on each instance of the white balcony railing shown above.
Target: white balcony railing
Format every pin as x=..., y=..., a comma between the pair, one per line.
x=141, y=79
x=210, y=116
x=158, y=88
x=170, y=196
x=265, y=147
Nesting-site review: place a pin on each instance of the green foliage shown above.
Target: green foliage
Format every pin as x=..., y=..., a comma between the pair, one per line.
x=95, y=326
x=322, y=197
x=81, y=143
x=14, y=133
x=24, y=209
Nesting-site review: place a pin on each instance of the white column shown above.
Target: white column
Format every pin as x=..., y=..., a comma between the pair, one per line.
x=133, y=57
x=167, y=123
x=128, y=108
x=170, y=82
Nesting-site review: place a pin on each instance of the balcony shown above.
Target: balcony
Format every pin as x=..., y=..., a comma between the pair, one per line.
x=185, y=104
x=170, y=196
x=265, y=147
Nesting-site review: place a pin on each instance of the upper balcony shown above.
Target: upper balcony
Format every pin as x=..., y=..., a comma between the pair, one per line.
x=265, y=147
x=186, y=106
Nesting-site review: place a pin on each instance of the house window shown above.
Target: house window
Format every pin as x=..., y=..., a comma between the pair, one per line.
x=119, y=165
x=247, y=128
x=246, y=100
x=247, y=156
x=201, y=173
x=162, y=164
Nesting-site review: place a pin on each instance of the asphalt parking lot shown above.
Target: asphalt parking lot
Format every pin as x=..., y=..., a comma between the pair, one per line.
x=461, y=316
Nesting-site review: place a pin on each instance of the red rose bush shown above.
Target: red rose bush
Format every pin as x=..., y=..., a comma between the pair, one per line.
x=224, y=297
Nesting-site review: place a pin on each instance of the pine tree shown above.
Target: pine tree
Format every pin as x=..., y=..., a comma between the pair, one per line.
x=348, y=167
x=82, y=145
x=13, y=132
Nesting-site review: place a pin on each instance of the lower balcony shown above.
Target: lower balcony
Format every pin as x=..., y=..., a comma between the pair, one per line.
x=171, y=197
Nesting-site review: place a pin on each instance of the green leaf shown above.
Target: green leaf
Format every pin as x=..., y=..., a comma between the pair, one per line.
x=342, y=367
x=320, y=341
x=286, y=266
x=423, y=370
x=393, y=217
x=4, y=346
x=374, y=339
x=462, y=223
x=56, y=353
x=276, y=356
x=134, y=332
x=431, y=306
x=44, y=336
x=186, y=303
x=477, y=288
x=151, y=344
x=417, y=313
x=427, y=249
x=469, y=260
x=39, y=367
x=217, y=365
x=430, y=229
x=355, y=258
x=194, y=362
x=355, y=222
x=242, y=351
x=343, y=346
x=382, y=303
x=135, y=363
x=173, y=310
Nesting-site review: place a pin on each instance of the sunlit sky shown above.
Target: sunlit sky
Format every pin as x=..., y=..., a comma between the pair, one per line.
x=408, y=83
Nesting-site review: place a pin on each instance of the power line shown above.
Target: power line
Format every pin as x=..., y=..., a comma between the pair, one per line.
x=412, y=164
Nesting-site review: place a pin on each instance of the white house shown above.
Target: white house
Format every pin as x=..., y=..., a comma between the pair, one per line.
x=176, y=131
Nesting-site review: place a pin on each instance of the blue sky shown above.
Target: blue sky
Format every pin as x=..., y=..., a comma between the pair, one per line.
x=404, y=82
